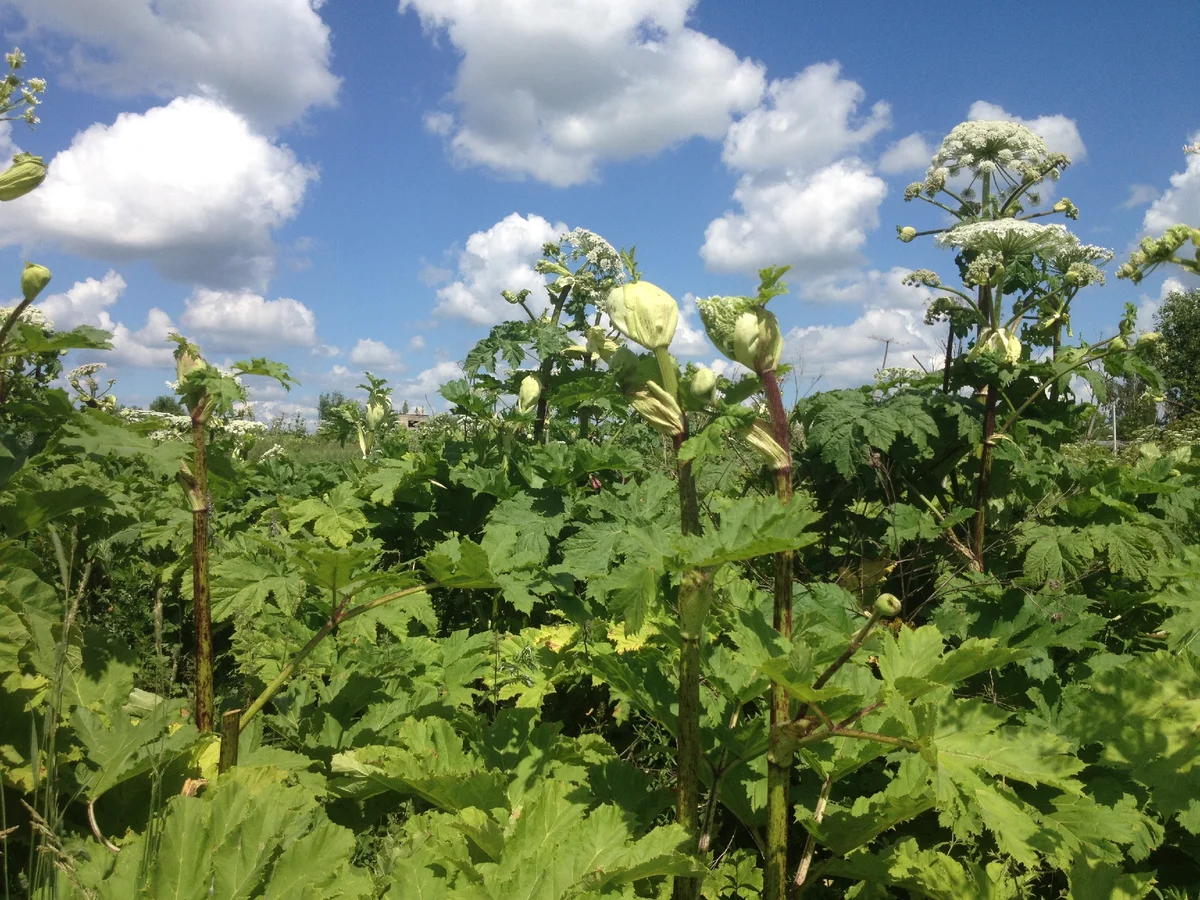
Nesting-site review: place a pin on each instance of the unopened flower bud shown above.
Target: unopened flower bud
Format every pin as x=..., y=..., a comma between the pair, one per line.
x=906, y=234
x=376, y=412
x=704, y=384
x=527, y=397
x=887, y=606
x=743, y=330
x=186, y=362
x=658, y=408
x=33, y=279
x=999, y=345
x=600, y=344
x=1149, y=337
x=26, y=172
x=757, y=340
x=644, y=313
x=760, y=438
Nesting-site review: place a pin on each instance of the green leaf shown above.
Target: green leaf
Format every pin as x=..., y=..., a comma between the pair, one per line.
x=242, y=585
x=250, y=834
x=845, y=829
x=632, y=591
x=462, y=565
x=429, y=762
x=1092, y=878
x=751, y=527
x=335, y=518
x=28, y=510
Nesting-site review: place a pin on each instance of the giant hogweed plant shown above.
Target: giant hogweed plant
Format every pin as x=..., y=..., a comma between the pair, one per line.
x=1019, y=279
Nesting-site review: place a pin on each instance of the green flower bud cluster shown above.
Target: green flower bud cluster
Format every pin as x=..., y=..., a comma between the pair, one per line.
x=1153, y=252
x=644, y=313
x=1066, y=206
x=922, y=277
x=743, y=330
x=906, y=234
x=26, y=172
x=187, y=361
x=986, y=268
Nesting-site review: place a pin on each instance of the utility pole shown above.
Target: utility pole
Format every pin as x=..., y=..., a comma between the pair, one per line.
x=887, y=343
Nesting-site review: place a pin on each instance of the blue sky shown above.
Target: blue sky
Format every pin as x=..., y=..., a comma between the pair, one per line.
x=348, y=185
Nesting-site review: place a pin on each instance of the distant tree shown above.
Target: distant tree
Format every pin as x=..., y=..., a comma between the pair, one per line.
x=165, y=403
x=1136, y=409
x=1178, y=320
x=327, y=403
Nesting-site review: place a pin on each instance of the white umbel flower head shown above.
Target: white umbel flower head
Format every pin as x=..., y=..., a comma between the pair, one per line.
x=1079, y=263
x=1009, y=238
x=600, y=253
x=983, y=146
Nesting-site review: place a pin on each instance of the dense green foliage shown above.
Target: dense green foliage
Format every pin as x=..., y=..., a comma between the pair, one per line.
x=478, y=659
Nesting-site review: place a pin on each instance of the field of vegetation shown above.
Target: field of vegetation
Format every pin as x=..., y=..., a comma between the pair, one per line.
x=613, y=627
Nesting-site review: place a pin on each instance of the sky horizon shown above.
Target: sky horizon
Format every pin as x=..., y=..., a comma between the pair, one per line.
x=349, y=186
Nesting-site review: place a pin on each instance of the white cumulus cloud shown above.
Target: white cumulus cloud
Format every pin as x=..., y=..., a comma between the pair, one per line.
x=90, y=302
x=145, y=347
x=803, y=123
x=374, y=355
x=497, y=259
x=269, y=59
x=909, y=154
x=84, y=302
x=806, y=199
x=817, y=223
x=422, y=390
x=190, y=187
x=690, y=341
x=893, y=314
x=241, y=320
x=1180, y=202
x=1059, y=132
x=553, y=90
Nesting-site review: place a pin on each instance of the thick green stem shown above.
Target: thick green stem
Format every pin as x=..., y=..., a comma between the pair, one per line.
x=694, y=599
x=339, y=617
x=695, y=596
x=949, y=356
x=543, y=406
x=779, y=760
x=982, y=487
x=201, y=603
x=12, y=319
